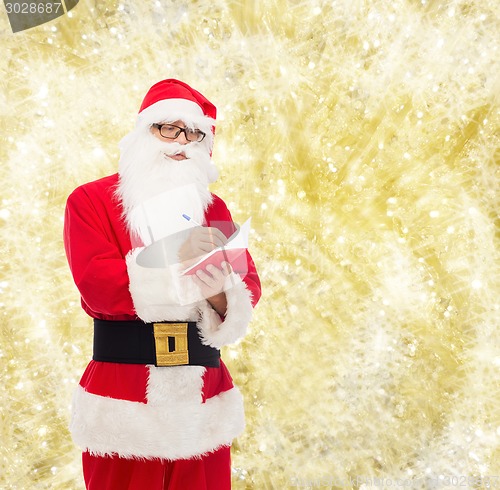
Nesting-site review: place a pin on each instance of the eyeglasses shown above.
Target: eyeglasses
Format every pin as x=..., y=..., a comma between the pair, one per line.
x=170, y=131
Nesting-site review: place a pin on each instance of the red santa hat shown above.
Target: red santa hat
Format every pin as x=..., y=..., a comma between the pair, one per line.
x=171, y=100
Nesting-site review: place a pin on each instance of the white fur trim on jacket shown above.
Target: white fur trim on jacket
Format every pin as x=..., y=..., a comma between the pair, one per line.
x=217, y=333
x=174, y=424
x=156, y=293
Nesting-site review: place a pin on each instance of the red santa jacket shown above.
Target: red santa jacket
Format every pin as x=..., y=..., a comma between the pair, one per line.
x=146, y=411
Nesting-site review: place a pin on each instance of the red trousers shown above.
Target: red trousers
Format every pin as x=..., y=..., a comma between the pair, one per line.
x=211, y=472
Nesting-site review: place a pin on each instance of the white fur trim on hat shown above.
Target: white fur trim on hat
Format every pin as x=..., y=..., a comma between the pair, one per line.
x=174, y=424
x=217, y=333
x=170, y=110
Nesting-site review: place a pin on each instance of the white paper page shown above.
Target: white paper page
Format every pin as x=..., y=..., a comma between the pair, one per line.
x=161, y=215
x=241, y=239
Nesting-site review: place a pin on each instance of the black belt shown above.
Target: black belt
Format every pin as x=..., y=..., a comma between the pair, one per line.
x=161, y=344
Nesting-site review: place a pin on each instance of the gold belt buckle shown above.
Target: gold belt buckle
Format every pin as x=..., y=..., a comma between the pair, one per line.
x=180, y=355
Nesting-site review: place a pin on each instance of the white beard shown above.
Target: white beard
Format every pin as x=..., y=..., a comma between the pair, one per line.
x=145, y=170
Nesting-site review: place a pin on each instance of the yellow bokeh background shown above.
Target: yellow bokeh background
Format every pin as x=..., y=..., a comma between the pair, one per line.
x=362, y=137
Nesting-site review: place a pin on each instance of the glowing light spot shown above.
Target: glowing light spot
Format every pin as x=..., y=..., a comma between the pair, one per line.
x=434, y=214
x=43, y=91
x=98, y=152
x=233, y=354
x=477, y=284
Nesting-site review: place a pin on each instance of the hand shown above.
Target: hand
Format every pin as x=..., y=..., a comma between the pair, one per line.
x=201, y=240
x=211, y=284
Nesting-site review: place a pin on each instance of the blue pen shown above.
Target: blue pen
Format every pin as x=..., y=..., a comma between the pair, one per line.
x=188, y=218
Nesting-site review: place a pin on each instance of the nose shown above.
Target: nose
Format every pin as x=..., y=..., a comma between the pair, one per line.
x=181, y=139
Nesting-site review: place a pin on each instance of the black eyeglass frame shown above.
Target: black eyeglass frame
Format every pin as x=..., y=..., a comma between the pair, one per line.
x=180, y=130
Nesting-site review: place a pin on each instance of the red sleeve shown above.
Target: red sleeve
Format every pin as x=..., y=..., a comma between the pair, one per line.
x=96, y=262
x=218, y=212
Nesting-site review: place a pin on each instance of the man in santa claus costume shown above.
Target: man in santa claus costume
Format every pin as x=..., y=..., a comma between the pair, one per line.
x=156, y=407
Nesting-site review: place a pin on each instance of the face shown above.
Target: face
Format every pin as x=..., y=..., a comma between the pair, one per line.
x=181, y=139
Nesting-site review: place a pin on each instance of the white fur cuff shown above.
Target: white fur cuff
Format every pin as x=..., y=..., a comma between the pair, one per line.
x=155, y=293
x=217, y=333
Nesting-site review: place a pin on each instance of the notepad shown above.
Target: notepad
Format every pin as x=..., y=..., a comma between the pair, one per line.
x=164, y=253
x=233, y=252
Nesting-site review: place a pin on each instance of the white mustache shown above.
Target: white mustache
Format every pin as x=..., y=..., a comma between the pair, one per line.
x=190, y=150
